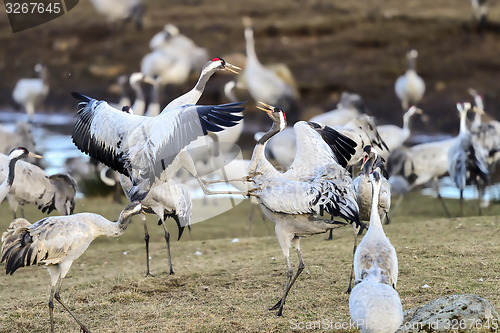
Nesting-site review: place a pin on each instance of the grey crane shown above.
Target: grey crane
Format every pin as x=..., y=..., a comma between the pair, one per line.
x=30, y=93
x=317, y=182
x=410, y=87
x=56, y=242
x=395, y=136
x=375, y=248
x=33, y=185
x=466, y=161
x=121, y=10
x=13, y=157
x=143, y=147
x=263, y=84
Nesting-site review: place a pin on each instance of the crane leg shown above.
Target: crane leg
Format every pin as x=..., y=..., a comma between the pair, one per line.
x=167, y=240
x=357, y=231
x=146, y=239
x=57, y=296
x=461, y=202
x=436, y=188
x=289, y=283
x=51, y=308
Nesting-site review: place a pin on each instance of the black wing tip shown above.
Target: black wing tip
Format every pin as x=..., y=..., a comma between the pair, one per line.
x=80, y=96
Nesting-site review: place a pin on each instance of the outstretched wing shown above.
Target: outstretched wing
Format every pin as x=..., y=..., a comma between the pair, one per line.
x=142, y=147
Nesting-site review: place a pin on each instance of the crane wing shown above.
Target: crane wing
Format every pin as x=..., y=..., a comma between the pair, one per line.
x=142, y=147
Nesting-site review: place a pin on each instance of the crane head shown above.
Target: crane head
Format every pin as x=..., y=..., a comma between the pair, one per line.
x=21, y=152
x=220, y=64
x=368, y=151
x=276, y=114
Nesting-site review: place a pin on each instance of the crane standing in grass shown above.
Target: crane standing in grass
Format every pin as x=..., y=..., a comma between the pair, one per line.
x=56, y=242
x=466, y=161
x=317, y=182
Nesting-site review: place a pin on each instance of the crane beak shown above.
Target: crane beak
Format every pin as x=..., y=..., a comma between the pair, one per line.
x=365, y=158
x=149, y=80
x=478, y=110
x=232, y=68
x=419, y=111
x=30, y=154
x=268, y=109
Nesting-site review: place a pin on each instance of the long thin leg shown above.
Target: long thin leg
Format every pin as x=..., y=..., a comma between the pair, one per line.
x=299, y=270
x=356, y=234
x=461, y=202
x=436, y=188
x=146, y=239
x=58, y=298
x=167, y=240
x=289, y=274
x=51, y=308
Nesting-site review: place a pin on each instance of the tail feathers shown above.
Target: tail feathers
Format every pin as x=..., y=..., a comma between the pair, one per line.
x=17, y=248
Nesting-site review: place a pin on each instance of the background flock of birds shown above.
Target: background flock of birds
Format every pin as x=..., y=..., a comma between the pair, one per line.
x=340, y=163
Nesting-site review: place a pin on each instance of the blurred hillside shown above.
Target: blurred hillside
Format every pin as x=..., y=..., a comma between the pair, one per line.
x=330, y=46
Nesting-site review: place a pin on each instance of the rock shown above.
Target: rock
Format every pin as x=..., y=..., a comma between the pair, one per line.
x=457, y=313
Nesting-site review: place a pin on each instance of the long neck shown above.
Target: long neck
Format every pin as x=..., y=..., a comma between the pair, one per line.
x=406, y=121
x=192, y=96
x=250, y=46
x=139, y=94
x=9, y=180
x=411, y=64
x=259, y=159
x=463, y=122
x=374, y=215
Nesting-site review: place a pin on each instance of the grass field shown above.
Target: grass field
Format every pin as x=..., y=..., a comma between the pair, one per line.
x=226, y=286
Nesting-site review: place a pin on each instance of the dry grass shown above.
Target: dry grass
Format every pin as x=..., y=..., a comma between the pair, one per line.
x=229, y=287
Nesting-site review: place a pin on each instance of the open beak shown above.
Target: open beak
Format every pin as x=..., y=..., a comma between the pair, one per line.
x=232, y=68
x=269, y=108
x=365, y=158
x=30, y=154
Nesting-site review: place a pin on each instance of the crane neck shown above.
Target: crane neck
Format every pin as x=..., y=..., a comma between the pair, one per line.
x=139, y=94
x=9, y=180
x=374, y=214
x=258, y=157
x=463, y=122
x=250, y=46
x=192, y=96
x=406, y=121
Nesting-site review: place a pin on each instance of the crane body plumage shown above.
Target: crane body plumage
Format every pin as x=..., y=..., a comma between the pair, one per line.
x=33, y=185
x=410, y=87
x=32, y=92
x=375, y=307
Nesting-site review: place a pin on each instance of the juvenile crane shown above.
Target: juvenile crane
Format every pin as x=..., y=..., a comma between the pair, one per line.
x=56, y=242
